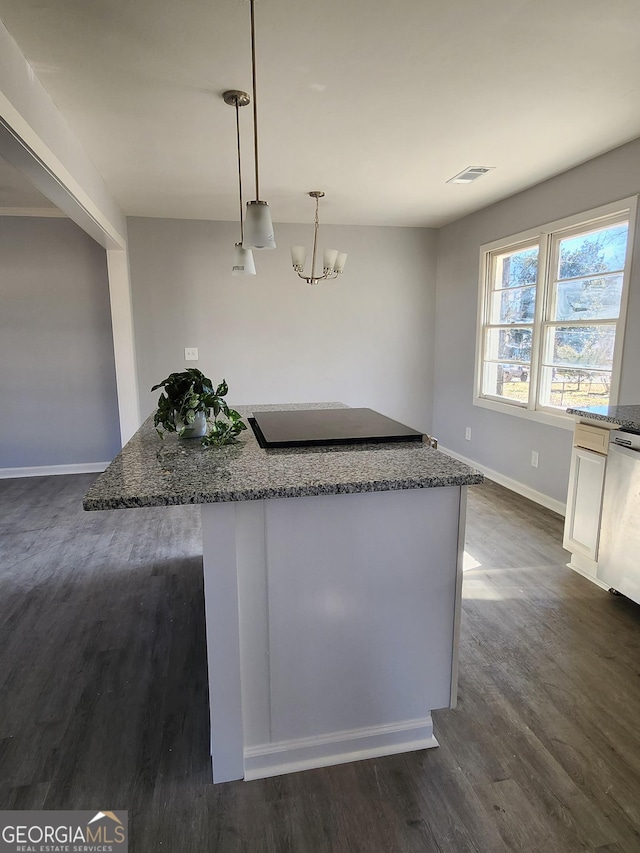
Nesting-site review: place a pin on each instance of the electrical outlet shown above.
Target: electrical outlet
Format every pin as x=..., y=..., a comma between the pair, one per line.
x=191, y=353
x=467, y=433
x=534, y=458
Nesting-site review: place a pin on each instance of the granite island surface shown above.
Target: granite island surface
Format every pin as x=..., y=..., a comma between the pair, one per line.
x=332, y=585
x=150, y=471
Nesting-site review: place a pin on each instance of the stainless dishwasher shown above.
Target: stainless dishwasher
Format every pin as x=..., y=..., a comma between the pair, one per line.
x=619, y=558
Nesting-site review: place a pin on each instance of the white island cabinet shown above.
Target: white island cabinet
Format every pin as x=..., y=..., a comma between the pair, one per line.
x=332, y=584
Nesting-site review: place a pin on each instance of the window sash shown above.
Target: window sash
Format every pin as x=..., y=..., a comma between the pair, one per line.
x=548, y=241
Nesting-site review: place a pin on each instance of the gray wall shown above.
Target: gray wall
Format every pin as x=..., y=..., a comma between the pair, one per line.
x=365, y=339
x=500, y=441
x=57, y=382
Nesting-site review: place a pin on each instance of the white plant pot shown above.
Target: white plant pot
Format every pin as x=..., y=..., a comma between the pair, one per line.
x=195, y=430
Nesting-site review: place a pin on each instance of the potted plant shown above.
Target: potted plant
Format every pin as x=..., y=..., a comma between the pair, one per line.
x=188, y=398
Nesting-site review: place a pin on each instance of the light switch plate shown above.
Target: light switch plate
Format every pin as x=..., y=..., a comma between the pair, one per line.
x=191, y=353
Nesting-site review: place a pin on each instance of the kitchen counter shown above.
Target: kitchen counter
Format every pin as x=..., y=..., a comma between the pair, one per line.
x=626, y=417
x=332, y=589
x=151, y=471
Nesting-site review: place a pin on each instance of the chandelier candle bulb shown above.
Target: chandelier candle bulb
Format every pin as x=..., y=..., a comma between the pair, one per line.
x=298, y=257
x=330, y=256
x=341, y=260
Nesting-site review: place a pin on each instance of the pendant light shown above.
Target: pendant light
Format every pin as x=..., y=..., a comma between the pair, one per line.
x=333, y=261
x=258, y=229
x=243, y=263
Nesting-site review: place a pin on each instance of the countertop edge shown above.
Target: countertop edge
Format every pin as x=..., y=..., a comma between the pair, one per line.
x=186, y=499
x=618, y=420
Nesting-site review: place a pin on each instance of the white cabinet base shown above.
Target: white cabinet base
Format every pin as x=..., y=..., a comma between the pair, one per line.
x=586, y=567
x=332, y=626
x=274, y=759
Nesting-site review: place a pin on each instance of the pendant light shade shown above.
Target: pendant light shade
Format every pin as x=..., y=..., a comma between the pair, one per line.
x=258, y=229
x=243, y=263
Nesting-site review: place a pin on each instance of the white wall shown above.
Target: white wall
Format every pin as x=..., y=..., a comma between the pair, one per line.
x=36, y=140
x=57, y=382
x=365, y=339
x=504, y=442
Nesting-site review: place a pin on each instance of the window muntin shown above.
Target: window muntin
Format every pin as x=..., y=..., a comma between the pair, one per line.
x=552, y=307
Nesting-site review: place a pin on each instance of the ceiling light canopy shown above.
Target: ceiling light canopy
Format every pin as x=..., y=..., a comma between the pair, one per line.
x=333, y=261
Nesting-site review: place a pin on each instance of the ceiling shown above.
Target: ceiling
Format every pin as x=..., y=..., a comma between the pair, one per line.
x=378, y=103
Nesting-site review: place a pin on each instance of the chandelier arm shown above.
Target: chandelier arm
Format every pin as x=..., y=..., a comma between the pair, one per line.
x=314, y=279
x=255, y=100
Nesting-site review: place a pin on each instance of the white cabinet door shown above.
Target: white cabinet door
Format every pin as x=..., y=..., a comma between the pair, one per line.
x=584, y=503
x=619, y=566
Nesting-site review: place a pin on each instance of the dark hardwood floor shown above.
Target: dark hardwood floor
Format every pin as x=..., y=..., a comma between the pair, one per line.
x=103, y=696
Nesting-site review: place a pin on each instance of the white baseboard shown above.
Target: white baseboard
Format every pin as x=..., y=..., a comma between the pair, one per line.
x=513, y=485
x=49, y=470
x=275, y=759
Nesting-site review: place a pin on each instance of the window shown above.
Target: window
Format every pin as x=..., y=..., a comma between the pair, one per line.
x=551, y=315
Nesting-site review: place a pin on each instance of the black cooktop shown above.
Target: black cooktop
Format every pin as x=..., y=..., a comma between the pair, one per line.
x=309, y=427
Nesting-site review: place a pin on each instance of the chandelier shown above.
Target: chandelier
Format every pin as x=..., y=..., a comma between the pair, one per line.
x=333, y=261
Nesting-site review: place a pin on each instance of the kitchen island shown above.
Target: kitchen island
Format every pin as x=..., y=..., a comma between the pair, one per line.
x=332, y=583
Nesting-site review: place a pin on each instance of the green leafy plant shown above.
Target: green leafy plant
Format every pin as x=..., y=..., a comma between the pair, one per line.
x=189, y=392
x=224, y=431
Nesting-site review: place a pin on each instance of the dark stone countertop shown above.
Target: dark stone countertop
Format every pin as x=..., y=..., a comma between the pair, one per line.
x=627, y=417
x=150, y=471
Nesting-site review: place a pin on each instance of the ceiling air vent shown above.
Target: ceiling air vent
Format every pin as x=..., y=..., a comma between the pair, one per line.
x=470, y=174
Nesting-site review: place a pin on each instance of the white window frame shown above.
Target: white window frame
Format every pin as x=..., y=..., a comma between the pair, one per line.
x=543, y=236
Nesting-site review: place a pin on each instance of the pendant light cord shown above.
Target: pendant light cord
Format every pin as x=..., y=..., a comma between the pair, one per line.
x=239, y=170
x=255, y=101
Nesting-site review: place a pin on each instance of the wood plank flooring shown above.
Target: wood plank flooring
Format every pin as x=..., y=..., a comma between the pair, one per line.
x=103, y=696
